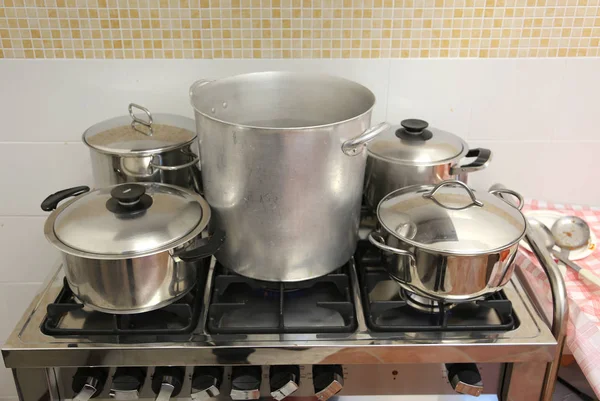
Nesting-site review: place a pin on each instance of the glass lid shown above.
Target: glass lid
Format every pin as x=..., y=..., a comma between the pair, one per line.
x=149, y=134
x=415, y=143
x=129, y=219
x=452, y=218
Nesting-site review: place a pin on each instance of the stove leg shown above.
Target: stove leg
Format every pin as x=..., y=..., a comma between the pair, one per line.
x=36, y=384
x=523, y=381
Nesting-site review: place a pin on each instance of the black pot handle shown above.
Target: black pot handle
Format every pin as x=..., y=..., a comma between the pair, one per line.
x=208, y=247
x=52, y=201
x=483, y=158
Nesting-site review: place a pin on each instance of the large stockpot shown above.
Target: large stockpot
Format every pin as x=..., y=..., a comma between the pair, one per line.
x=448, y=242
x=283, y=168
x=130, y=248
x=148, y=148
x=416, y=154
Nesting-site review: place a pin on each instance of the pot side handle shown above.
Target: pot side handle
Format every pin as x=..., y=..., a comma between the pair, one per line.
x=354, y=146
x=52, y=201
x=377, y=240
x=505, y=191
x=208, y=247
x=483, y=158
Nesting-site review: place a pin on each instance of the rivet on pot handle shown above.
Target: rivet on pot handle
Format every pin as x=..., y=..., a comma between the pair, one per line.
x=194, y=160
x=483, y=158
x=208, y=247
x=498, y=192
x=377, y=240
x=354, y=146
x=52, y=201
x=474, y=200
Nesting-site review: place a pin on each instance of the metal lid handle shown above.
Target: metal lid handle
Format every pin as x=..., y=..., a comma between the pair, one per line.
x=474, y=200
x=136, y=120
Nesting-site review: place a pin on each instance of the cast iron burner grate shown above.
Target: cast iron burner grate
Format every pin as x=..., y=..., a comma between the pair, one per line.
x=387, y=310
x=241, y=305
x=68, y=317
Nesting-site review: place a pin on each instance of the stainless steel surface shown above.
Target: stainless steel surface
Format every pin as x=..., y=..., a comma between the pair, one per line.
x=465, y=388
x=141, y=268
x=571, y=232
x=560, y=308
x=88, y=390
x=274, y=171
x=447, y=242
x=332, y=388
x=28, y=347
x=402, y=157
x=354, y=146
x=149, y=157
x=166, y=389
x=85, y=226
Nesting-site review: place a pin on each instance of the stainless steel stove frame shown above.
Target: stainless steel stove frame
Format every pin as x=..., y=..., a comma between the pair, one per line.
x=522, y=362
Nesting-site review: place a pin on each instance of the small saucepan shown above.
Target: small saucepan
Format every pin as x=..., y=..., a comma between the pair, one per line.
x=130, y=248
x=448, y=242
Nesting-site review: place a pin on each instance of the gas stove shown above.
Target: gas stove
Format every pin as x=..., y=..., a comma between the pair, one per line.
x=352, y=332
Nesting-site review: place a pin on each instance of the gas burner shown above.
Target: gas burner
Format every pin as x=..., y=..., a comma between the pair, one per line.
x=389, y=309
x=241, y=305
x=422, y=303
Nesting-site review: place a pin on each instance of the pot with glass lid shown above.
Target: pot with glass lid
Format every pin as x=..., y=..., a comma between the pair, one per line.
x=449, y=242
x=416, y=154
x=130, y=248
x=148, y=148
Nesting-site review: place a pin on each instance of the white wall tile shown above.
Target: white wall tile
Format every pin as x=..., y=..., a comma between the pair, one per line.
x=553, y=171
x=436, y=90
x=26, y=255
x=14, y=298
x=34, y=171
x=579, y=101
x=56, y=100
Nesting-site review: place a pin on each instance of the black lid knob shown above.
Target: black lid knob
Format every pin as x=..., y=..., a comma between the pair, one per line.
x=413, y=125
x=128, y=194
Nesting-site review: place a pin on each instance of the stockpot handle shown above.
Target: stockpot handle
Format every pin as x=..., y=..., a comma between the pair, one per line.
x=431, y=194
x=197, y=84
x=500, y=191
x=483, y=158
x=377, y=240
x=52, y=201
x=136, y=120
x=194, y=160
x=354, y=146
x=208, y=247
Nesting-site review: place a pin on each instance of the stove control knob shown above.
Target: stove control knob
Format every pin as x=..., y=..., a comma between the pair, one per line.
x=167, y=382
x=284, y=380
x=465, y=378
x=245, y=383
x=206, y=381
x=328, y=380
x=126, y=383
x=88, y=383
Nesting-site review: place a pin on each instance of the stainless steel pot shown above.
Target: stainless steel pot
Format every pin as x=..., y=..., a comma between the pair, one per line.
x=156, y=148
x=448, y=242
x=413, y=154
x=130, y=248
x=283, y=169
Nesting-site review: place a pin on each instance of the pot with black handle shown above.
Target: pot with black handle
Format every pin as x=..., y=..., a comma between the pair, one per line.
x=416, y=154
x=130, y=248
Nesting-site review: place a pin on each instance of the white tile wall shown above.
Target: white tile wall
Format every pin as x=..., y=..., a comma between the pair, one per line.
x=539, y=116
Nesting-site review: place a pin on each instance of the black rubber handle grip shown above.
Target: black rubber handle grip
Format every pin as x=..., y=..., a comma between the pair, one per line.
x=208, y=247
x=52, y=201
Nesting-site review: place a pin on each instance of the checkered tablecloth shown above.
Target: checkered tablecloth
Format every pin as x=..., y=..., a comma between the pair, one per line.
x=583, y=333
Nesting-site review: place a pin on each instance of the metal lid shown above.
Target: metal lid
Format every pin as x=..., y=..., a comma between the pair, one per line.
x=451, y=218
x=131, y=134
x=414, y=143
x=128, y=220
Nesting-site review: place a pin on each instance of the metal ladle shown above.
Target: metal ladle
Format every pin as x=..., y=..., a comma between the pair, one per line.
x=546, y=235
x=571, y=232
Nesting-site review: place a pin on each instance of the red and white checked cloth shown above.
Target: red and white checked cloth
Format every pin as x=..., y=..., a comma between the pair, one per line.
x=583, y=333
